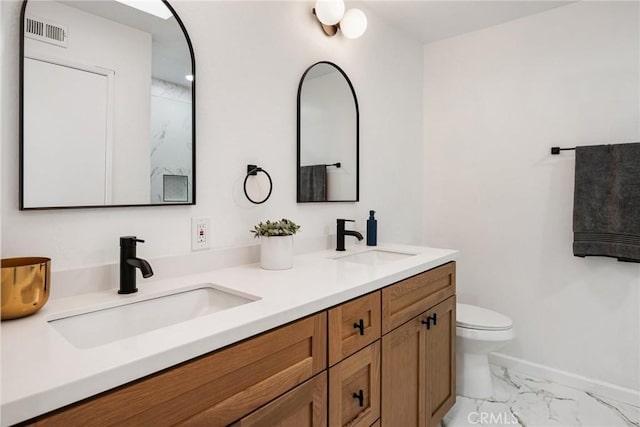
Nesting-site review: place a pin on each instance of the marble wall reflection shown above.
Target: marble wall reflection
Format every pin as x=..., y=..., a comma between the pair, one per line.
x=171, y=140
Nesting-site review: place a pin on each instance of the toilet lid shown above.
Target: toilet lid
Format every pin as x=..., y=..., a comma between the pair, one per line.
x=473, y=317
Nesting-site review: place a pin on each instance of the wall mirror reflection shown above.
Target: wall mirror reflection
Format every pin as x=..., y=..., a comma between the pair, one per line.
x=107, y=98
x=327, y=136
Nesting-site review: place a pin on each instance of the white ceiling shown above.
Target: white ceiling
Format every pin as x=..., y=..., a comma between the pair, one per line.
x=429, y=21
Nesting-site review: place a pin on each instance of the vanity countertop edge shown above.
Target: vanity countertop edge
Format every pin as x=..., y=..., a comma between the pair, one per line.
x=42, y=371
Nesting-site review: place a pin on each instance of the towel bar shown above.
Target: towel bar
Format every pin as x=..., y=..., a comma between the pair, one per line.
x=557, y=150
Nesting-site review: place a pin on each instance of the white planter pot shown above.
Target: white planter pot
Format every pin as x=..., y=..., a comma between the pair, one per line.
x=276, y=252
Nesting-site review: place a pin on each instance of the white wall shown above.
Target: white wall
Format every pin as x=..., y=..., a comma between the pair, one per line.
x=495, y=101
x=249, y=60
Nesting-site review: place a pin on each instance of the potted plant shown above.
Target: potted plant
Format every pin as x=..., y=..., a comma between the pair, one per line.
x=276, y=243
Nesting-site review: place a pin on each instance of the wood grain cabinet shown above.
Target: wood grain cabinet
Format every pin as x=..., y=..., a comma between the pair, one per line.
x=418, y=357
x=213, y=390
x=354, y=389
x=304, y=406
x=384, y=359
x=353, y=325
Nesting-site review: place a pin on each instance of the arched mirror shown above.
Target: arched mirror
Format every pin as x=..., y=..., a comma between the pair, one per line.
x=107, y=105
x=327, y=136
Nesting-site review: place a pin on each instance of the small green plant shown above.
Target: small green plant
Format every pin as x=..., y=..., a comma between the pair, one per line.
x=284, y=227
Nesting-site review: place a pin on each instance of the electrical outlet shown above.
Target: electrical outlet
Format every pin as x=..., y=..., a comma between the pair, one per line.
x=200, y=231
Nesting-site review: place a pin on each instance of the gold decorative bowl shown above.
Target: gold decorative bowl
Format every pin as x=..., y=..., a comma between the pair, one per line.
x=25, y=286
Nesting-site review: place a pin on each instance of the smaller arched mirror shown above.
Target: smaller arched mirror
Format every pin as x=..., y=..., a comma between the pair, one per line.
x=328, y=129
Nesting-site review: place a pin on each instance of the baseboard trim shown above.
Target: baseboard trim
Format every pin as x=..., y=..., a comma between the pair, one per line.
x=601, y=388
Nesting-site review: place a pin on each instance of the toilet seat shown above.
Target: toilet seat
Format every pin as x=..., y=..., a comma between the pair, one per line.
x=485, y=335
x=478, y=318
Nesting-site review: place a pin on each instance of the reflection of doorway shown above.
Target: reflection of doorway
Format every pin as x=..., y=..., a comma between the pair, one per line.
x=77, y=134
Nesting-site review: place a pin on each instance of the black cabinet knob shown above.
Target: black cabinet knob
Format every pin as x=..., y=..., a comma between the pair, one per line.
x=360, y=326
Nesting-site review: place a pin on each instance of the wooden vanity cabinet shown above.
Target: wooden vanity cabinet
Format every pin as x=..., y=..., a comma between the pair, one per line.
x=214, y=390
x=384, y=359
x=418, y=357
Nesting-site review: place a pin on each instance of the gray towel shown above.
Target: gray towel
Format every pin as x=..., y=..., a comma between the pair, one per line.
x=313, y=184
x=606, y=202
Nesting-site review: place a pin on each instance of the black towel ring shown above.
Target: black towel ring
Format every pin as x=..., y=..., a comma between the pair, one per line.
x=253, y=170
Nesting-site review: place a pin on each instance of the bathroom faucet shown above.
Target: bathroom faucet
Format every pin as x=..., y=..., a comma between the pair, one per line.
x=342, y=232
x=128, y=264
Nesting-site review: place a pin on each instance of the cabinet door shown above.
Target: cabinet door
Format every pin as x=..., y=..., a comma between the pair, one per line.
x=418, y=369
x=304, y=406
x=353, y=325
x=403, y=379
x=354, y=389
x=440, y=354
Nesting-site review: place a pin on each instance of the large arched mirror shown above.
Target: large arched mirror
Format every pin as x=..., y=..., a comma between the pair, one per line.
x=107, y=105
x=328, y=131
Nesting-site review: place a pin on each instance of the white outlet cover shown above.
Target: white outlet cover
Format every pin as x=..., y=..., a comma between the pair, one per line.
x=200, y=233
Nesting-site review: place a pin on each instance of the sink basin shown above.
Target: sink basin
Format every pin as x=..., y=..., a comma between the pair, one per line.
x=102, y=326
x=375, y=257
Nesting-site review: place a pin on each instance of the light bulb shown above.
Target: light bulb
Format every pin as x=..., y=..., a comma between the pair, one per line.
x=353, y=24
x=329, y=12
x=189, y=77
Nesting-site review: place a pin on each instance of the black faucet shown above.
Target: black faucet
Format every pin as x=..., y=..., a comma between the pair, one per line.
x=342, y=232
x=128, y=264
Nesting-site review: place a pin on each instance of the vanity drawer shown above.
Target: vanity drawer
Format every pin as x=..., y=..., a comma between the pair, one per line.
x=354, y=389
x=353, y=325
x=304, y=406
x=213, y=390
x=410, y=297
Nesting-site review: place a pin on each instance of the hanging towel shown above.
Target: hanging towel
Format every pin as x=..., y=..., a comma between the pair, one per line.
x=313, y=183
x=606, y=202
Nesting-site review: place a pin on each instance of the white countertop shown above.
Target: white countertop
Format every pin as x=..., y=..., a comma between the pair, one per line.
x=42, y=371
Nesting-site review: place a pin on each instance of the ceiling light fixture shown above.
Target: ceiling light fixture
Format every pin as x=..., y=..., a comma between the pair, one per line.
x=152, y=7
x=332, y=16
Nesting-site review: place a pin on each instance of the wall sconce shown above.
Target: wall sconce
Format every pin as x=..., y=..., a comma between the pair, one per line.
x=331, y=15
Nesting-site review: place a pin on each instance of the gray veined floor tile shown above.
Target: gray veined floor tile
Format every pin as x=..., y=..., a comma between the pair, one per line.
x=532, y=402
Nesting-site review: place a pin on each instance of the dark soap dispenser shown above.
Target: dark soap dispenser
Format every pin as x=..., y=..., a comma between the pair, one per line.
x=372, y=229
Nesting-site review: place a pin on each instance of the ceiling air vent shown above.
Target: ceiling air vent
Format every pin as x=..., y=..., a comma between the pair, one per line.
x=45, y=31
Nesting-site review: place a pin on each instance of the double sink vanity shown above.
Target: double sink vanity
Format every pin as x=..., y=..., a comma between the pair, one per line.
x=362, y=338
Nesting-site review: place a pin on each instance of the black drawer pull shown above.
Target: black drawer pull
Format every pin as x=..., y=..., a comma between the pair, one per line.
x=429, y=319
x=360, y=396
x=360, y=326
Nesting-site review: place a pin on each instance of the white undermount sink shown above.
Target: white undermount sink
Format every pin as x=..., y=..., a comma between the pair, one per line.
x=105, y=325
x=374, y=257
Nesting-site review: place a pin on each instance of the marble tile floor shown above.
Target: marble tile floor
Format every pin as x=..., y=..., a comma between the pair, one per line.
x=521, y=400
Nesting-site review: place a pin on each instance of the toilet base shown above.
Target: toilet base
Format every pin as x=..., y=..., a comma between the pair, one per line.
x=473, y=377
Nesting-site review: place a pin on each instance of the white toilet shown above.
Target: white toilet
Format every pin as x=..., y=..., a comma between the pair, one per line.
x=479, y=331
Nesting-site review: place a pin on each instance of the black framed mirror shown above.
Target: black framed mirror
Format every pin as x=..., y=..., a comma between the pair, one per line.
x=107, y=105
x=328, y=136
